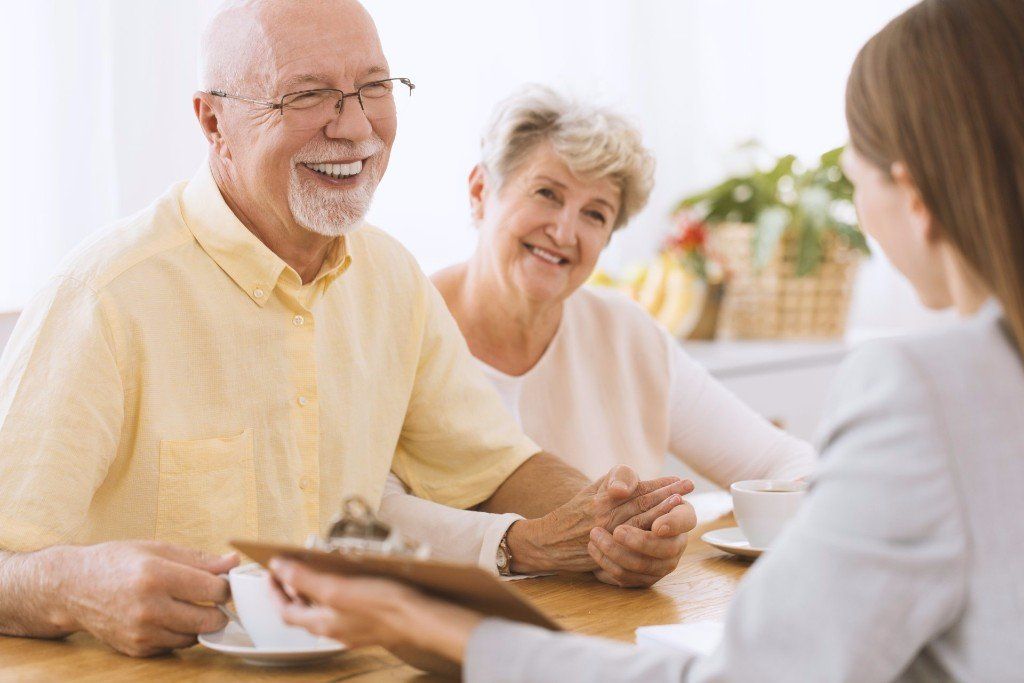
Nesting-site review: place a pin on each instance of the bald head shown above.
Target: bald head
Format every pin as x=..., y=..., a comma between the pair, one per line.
x=304, y=170
x=246, y=43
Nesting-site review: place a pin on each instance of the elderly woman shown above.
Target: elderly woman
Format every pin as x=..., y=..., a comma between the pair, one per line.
x=588, y=373
x=904, y=563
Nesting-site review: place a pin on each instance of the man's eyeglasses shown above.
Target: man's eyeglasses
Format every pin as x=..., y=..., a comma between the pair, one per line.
x=310, y=109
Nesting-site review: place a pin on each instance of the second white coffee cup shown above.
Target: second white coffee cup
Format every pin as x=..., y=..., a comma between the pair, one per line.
x=258, y=612
x=764, y=506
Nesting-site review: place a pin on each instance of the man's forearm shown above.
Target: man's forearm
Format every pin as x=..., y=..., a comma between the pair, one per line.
x=537, y=487
x=27, y=589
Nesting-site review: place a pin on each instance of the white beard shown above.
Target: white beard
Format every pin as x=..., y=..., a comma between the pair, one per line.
x=333, y=213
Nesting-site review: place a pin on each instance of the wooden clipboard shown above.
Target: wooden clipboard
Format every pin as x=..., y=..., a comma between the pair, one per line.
x=462, y=584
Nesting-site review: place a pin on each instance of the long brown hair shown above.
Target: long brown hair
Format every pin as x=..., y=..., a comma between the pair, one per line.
x=941, y=89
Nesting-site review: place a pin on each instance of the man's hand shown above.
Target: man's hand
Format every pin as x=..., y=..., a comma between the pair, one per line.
x=559, y=541
x=140, y=597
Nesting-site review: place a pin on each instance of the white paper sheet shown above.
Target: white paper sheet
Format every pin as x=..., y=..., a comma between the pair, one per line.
x=700, y=637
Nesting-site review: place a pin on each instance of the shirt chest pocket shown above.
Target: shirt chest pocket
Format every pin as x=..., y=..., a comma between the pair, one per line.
x=207, y=492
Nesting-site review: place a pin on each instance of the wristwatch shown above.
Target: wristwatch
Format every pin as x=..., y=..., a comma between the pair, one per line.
x=503, y=557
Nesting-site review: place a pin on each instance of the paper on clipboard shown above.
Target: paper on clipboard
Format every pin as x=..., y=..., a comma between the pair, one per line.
x=465, y=585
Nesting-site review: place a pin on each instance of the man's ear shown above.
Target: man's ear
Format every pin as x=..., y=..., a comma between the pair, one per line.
x=209, y=123
x=921, y=218
x=479, y=187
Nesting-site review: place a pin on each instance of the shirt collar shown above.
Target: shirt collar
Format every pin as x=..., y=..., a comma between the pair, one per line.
x=337, y=262
x=250, y=263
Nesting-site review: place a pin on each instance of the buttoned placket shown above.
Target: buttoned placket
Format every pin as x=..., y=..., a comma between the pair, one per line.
x=305, y=410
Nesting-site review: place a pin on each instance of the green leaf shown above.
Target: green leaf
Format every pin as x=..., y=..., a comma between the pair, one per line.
x=783, y=167
x=770, y=227
x=696, y=264
x=831, y=157
x=853, y=237
x=809, y=254
x=815, y=201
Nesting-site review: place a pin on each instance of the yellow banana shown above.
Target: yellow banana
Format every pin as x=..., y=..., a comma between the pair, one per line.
x=601, y=278
x=652, y=290
x=684, y=300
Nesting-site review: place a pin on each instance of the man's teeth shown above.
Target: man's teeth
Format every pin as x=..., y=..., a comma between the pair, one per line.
x=337, y=170
x=546, y=255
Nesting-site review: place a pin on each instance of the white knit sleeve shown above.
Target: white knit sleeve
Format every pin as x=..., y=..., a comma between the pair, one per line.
x=719, y=436
x=463, y=536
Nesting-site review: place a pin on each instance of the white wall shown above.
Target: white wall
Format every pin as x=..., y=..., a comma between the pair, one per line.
x=105, y=121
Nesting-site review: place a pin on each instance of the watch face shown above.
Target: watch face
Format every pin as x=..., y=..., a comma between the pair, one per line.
x=501, y=559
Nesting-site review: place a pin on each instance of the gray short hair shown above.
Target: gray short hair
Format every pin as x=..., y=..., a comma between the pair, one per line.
x=593, y=141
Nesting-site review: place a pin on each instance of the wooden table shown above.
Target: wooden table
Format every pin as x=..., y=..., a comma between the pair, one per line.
x=699, y=589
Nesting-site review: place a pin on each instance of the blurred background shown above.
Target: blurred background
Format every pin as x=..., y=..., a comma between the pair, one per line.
x=99, y=118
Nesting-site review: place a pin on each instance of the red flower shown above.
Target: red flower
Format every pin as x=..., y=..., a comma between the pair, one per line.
x=690, y=234
x=694, y=237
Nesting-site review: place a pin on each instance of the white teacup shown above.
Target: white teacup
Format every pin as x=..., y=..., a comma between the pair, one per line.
x=258, y=612
x=763, y=506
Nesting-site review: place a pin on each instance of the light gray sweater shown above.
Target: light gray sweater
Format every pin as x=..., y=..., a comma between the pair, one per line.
x=906, y=561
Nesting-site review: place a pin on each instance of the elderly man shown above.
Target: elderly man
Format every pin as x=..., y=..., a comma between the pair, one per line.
x=239, y=357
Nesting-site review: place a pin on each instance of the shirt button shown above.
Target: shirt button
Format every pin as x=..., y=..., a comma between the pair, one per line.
x=298, y=320
x=305, y=483
x=258, y=293
x=303, y=400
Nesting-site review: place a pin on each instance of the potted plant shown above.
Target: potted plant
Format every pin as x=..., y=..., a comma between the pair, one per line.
x=788, y=239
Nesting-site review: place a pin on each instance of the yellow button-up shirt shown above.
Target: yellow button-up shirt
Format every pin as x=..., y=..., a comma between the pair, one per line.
x=177, y=381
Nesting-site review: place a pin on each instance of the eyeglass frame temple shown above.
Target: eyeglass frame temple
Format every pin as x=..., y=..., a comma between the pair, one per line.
x=265, y=103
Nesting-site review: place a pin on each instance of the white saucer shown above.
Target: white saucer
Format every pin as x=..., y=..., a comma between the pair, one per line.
x=234, y=641
x=731, y=540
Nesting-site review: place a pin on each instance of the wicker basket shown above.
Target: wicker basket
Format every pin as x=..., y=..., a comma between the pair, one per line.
x=775, y=303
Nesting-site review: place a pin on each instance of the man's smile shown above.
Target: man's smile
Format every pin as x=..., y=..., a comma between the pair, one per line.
x=336, y=170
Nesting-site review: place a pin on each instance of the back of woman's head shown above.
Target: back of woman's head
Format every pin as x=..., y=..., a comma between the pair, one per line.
x=941, y=89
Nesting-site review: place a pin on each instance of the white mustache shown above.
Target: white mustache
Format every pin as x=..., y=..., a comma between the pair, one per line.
x=319, y=150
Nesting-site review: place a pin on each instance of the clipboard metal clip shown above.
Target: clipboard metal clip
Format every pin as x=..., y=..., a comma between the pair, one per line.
x=358, y=531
